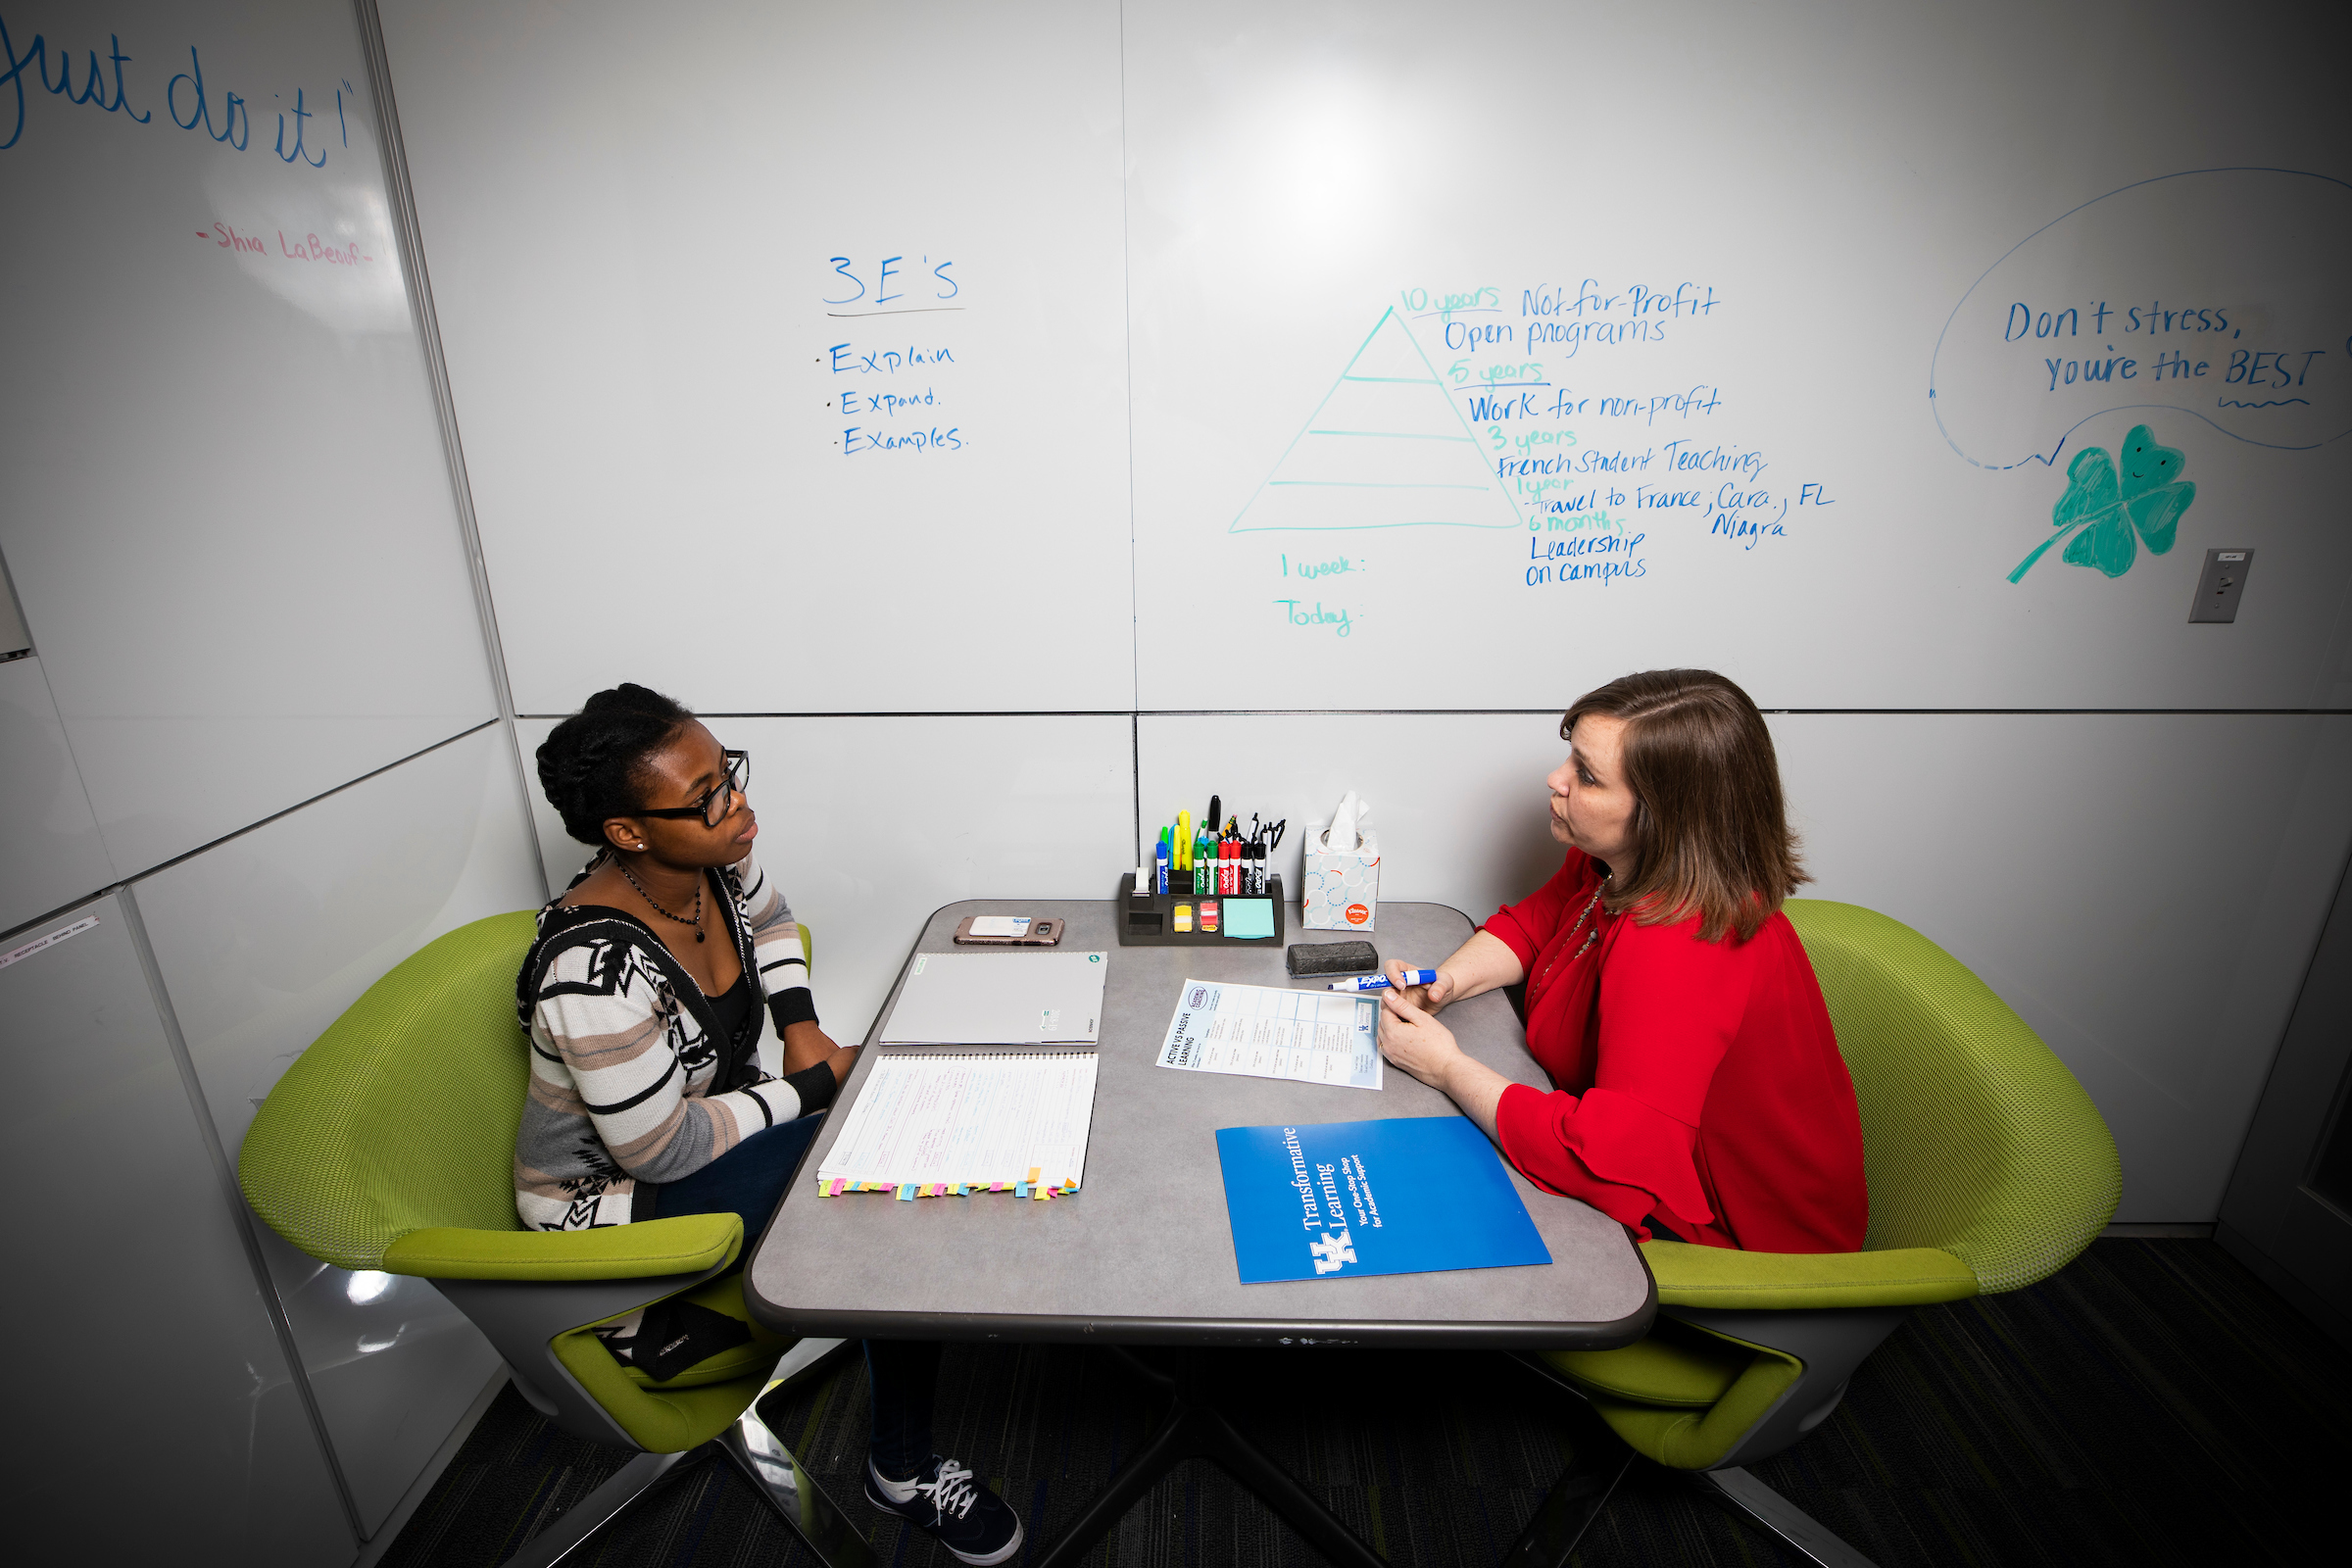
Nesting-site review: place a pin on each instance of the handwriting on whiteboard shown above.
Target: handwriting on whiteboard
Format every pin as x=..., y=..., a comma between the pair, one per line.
x=1576, y=415
x=189, y=102
x=308, y=248
x=908, y=385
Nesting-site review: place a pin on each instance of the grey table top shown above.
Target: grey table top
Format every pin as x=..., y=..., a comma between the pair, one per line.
x=1142, y=1254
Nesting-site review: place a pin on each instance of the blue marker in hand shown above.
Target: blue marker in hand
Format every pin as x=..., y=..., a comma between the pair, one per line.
x=1381, y=982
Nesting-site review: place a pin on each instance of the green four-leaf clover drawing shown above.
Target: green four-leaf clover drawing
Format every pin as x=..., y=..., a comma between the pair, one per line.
x=2098, y=514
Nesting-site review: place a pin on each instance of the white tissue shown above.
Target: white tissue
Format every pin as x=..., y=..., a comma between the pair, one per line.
x=1343, y=836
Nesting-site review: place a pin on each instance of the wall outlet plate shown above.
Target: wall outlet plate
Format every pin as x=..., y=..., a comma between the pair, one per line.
x=2220, y=584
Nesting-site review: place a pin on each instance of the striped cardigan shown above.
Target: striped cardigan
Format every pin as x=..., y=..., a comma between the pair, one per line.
x=630, y=1083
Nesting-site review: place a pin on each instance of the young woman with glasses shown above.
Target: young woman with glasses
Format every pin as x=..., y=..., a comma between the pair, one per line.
x=646, y=995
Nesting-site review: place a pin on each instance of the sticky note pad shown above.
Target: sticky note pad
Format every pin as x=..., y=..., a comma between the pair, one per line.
x=1249, y=917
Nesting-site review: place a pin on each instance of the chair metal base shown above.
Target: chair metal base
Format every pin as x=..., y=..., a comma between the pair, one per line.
x=1571, y=1508
x=1193, y=1429
x=1575, y=1504
x=1794, y=1528
x=596, y=1510
x=756, y=1453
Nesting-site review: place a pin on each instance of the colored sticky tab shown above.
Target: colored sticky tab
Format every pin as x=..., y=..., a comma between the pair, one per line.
x=907, y=1194
x=1020, y=1189
x=1034, y=1172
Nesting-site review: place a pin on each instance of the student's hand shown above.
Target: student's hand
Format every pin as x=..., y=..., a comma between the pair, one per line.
x=1416, y=1042
x=807, y=1043
x=1429, y=998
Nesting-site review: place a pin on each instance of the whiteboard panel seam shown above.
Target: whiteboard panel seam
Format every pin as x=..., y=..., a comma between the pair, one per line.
x=436, y=368
x=122, y=884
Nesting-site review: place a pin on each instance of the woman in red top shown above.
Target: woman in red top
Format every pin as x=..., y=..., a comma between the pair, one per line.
x=1698, y=1090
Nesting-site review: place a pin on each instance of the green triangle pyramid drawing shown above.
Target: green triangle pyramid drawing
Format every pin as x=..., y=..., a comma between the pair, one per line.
x=1385, y=449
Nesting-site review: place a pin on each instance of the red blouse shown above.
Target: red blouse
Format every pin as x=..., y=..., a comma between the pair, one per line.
x=1699, y=1080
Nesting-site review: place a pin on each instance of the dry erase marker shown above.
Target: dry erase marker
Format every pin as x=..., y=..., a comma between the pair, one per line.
x=1381, y=982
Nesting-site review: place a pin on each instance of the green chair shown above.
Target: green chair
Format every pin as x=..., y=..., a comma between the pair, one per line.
x=390, y=1144
x=1988, y=1169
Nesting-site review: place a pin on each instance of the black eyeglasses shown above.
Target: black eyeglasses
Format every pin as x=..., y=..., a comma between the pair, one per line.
x=720, y=799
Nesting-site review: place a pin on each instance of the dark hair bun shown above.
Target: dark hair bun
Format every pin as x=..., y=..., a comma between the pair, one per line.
x=590, y=765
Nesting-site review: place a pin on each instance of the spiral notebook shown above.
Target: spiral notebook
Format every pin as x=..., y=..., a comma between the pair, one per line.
x=950, y=1124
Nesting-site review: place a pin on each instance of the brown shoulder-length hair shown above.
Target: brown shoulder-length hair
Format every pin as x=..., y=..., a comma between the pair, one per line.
x=1708, y=820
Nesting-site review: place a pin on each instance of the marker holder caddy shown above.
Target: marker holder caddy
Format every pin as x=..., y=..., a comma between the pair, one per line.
x=1148, y=920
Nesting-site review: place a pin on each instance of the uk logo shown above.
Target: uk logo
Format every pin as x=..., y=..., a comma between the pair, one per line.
x=1332, y=1252
x=1199, y=997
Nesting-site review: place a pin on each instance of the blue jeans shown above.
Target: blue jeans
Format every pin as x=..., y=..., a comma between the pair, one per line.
x=747, y=1180
x=750, y=1180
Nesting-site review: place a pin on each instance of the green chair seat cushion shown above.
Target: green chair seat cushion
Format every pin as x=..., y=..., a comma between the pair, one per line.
x=1721, y=1277
x=1682, y=1395
x=688, y=1244
x=670, y=1419
x=1674, y=1365
x=754, y=1358
x=693, y=1407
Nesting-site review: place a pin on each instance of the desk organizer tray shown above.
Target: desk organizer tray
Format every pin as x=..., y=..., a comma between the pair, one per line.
x=1148, y=920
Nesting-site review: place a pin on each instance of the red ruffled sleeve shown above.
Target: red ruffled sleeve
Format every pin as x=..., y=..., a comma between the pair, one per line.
x=1669, y=1007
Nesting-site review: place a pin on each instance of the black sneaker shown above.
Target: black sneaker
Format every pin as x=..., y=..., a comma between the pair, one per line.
x=946, y=1503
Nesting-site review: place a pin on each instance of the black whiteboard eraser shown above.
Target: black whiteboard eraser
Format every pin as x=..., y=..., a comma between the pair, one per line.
x=1332, y=958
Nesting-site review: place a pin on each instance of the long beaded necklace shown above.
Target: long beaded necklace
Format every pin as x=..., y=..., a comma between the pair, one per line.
x=695, y=923
x=1584, y=914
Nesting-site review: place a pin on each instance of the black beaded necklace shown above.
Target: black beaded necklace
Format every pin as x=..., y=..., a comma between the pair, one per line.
x=695, y=923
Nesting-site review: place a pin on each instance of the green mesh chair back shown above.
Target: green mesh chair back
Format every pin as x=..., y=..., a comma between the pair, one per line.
x=1975, y=1138
x=402, y=1117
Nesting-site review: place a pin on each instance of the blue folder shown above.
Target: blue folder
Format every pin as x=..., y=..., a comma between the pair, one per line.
x=1416, y=1194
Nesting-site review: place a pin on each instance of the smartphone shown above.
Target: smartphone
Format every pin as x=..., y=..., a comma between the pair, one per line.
x=1007, y=931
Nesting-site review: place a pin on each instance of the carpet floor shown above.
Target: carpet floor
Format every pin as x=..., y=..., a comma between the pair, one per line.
x=2153, y=1404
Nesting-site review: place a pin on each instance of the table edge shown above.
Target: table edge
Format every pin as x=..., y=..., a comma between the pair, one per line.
x=1069, y=1329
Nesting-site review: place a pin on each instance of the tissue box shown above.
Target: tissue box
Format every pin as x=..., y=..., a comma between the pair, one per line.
x=1343, y=891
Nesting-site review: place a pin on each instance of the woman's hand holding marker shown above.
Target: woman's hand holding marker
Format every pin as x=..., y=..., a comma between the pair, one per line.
x=1382, y=982
x=1425, y=989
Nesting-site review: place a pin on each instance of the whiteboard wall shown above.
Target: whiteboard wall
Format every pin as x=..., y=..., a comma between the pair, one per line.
x=1432, y=356
x=1488, y=351
x=228, y=514
x=748, y=316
